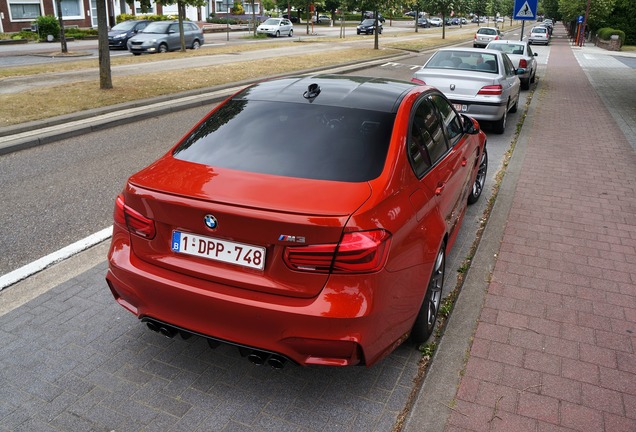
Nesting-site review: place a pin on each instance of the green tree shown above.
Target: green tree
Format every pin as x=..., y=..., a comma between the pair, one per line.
x=480, y=7
x=624, y=18
x=599, y=16
x=442, y=7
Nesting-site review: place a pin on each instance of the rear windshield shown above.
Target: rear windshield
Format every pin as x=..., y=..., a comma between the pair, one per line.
x=487, y=31
x=538, y=30
x=464, y=60
x=292, y=140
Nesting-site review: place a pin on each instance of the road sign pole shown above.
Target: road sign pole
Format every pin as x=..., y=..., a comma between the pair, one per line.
x=523, y=24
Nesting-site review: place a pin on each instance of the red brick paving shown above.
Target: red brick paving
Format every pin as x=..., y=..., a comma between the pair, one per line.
x=555, y=346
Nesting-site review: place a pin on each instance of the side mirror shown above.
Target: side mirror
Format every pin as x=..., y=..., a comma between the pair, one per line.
x=520, y=71
x=470, y=125
x=535, y=54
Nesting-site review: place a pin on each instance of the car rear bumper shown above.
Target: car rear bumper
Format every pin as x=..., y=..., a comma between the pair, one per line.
x=344, y=325
x=481, y=110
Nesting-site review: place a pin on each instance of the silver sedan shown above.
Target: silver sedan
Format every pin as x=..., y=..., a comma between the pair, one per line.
x=276, y=27
x=480, y=83
x=520, y=53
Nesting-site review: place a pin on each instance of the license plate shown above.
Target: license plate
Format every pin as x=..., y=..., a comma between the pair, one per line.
x=219, y=250
x=460, y=107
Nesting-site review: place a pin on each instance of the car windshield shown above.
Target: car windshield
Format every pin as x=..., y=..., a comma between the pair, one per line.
x=157, y=27
x=124, y=26
x=272, y=21
x=487, y=31
x=463, y=60
x=333, y=143
x=368, y=22
x=507, y=48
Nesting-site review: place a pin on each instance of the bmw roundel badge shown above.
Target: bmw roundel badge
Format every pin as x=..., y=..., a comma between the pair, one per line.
x=210, y=221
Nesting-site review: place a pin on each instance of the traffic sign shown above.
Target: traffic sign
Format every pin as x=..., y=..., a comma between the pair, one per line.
x=525, y=9
x=580, y=19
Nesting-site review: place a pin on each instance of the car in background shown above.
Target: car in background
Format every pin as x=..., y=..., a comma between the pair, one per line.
x=463, y=20
x=370, y=15
x=368, y=27
x=293, y=19
x=480, y=83
x=164, y=36
x=521, y=55
x=320, y=19
x=423, y=22
x=328, y=250
x=500, y=19
x=118, y=36
x=539, y=35
x=485, y=35
x=436, y=21
x=276, y=27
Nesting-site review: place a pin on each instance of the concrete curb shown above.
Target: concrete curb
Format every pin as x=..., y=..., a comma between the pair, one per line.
x=437, y=393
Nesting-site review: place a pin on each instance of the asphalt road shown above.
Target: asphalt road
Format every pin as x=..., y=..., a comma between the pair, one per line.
x=57, y=194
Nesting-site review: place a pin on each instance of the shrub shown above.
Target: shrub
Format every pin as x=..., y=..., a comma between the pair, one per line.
x=48, y=25
x=607, y=32
x=80, y=33
x=128, y=17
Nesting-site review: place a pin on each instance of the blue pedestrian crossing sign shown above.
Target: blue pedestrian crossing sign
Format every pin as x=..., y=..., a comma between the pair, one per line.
x=525, y=9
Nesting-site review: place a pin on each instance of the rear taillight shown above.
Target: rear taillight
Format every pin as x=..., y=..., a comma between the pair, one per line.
x=491, y=90
x=357, y=252
x=496, y=37
x=523, y=63
x=417, y=81
x=132, y=220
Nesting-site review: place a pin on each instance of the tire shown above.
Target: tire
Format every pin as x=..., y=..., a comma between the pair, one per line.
x=500, y=125
x=196, y=44
x=525, y=84
x=480, y=180
x=136, y=53
x=533, y=76
x=516, y=106
x=358, y=31
x=291, y=33
x=277, y=34
x=427, y=316
x=163, y=48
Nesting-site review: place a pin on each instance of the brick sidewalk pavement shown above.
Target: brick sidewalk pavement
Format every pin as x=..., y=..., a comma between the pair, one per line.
x=555, y=345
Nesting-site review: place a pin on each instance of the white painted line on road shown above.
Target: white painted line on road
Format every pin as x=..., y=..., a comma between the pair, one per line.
x=60, y=255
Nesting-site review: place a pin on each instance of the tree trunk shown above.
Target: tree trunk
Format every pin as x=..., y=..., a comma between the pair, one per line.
x=105, y=78
x=181, y=11
x=61, y=20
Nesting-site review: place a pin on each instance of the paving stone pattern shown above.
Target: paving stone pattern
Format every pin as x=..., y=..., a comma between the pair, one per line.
x=74, y=360
x=555, y=346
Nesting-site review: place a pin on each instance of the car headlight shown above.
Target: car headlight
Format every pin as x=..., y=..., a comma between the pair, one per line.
x=120, y=36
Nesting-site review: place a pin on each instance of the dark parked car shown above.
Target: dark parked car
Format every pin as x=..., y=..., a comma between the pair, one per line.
x=423, y=22
x=164, y=36
x=369, y=15
x=368, y=26
x=293, y=19
x=326, y=250
x=118, y=36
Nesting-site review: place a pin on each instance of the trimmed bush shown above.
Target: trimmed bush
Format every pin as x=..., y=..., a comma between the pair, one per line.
x=129, y=17
x=48, y=25
x=606, y=33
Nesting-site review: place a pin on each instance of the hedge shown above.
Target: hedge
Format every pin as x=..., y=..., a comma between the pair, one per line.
x=607, y=32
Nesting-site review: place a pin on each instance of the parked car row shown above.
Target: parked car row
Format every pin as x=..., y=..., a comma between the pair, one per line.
x=482, y=83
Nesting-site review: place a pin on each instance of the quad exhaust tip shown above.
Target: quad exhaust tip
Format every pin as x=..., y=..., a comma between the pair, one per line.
x=256, y=357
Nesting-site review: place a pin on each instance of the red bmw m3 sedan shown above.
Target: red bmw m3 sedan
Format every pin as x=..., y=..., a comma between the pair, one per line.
x=304, y=219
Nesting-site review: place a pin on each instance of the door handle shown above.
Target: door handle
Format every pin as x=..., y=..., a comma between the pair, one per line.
x=440, y=188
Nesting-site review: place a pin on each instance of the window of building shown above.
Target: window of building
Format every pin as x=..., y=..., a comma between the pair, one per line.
x=70, y=9
x=24, y=11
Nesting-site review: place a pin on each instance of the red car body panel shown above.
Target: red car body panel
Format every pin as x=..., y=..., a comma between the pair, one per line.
x=309, y=317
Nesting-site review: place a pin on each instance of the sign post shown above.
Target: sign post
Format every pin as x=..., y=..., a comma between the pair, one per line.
x=525, y=10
